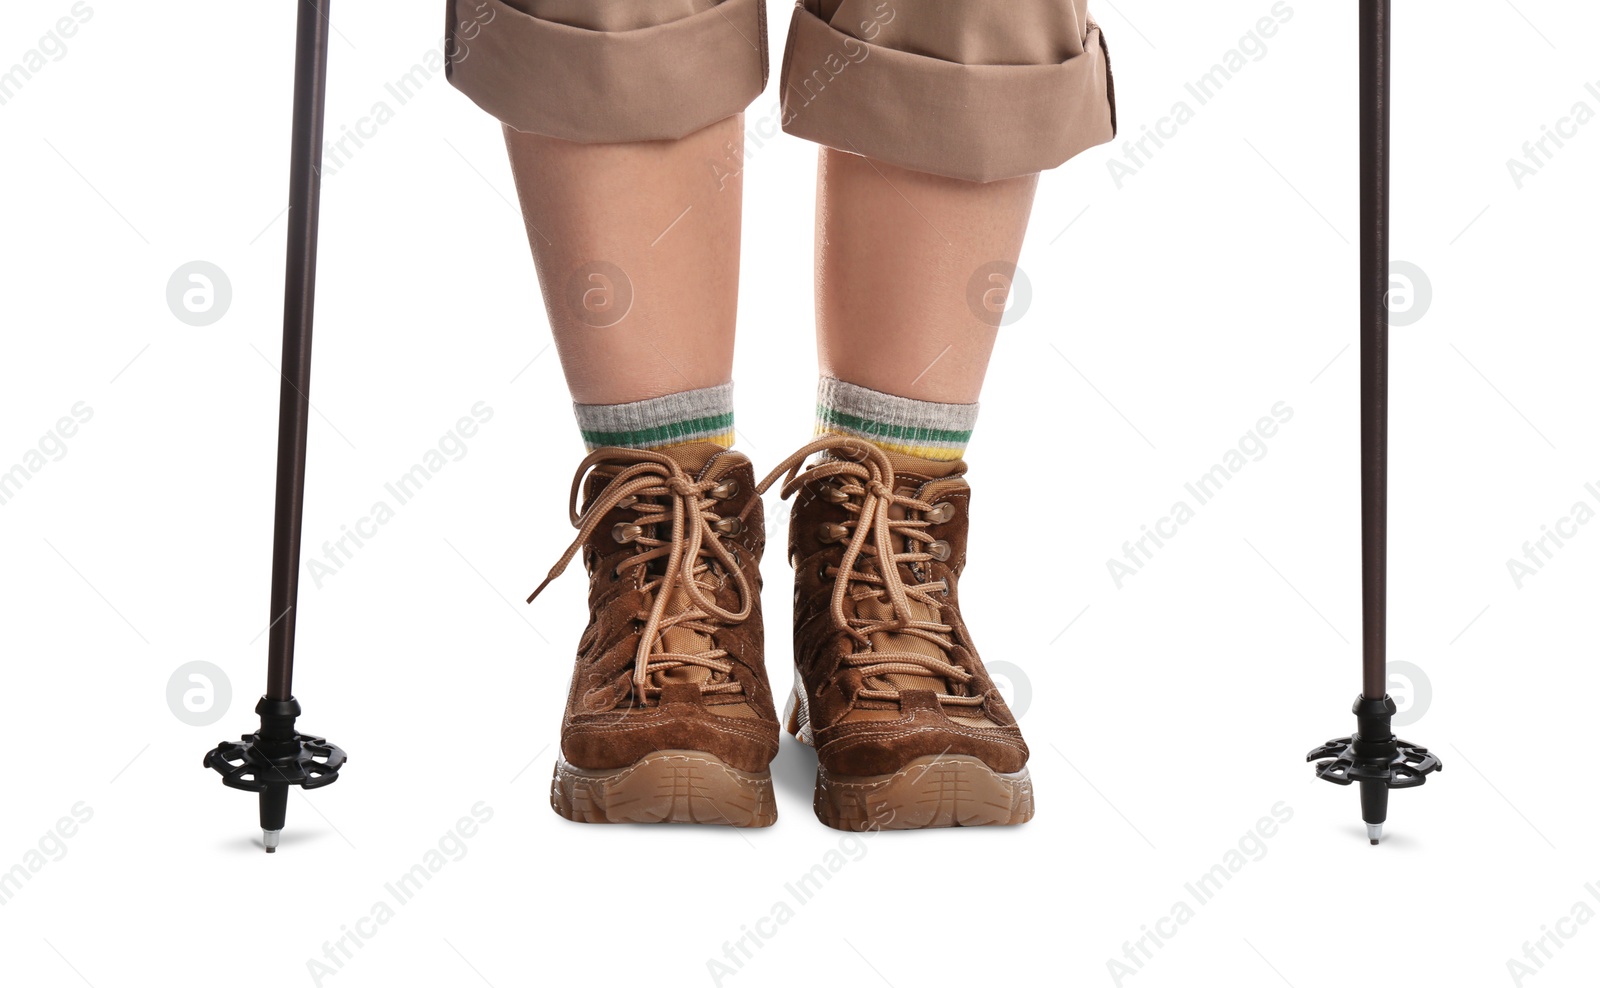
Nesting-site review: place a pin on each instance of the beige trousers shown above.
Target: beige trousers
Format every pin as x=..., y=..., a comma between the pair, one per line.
x=972, y=89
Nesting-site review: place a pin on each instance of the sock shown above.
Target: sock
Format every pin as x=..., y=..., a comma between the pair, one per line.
x=702, y=415
x=931, y=430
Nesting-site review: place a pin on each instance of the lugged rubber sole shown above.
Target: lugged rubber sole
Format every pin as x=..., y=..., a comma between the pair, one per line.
x=933, y=791
x=674, y=786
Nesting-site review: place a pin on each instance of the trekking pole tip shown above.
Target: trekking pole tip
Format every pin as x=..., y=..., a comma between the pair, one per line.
x=1374, y=833
x=269, y=840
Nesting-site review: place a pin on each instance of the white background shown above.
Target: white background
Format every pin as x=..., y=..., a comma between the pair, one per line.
x=1170, y=715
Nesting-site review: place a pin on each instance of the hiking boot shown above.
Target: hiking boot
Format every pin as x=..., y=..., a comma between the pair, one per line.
x=910, y=731
x=669, y=718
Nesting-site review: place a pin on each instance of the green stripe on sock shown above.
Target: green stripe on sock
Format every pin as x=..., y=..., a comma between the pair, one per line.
x=831, y=417
x=663, y=435
x=702, y=414
x=932, y=430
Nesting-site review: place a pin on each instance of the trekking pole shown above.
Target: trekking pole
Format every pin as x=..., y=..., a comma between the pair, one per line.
x=274, y=758
x=1373, y=756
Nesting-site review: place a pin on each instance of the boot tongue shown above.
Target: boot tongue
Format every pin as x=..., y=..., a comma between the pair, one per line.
x=692, y=457
x=686, y=641
x=916, y=468
x=911, y=474
x=683, y=641
x=874, y=609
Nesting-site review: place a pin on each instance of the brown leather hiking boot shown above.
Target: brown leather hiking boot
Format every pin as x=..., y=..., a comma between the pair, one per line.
x=909, y=729
x=669, y=718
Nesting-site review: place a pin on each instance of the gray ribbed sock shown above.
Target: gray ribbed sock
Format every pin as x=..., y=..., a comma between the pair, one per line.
x=932, y=430
x=702, y=415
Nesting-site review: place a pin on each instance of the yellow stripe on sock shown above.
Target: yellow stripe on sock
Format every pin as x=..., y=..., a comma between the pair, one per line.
x=943, y=454
x=724, y=440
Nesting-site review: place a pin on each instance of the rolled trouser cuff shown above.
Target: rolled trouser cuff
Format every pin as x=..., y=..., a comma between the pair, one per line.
x=660, y=82
x=979, y=122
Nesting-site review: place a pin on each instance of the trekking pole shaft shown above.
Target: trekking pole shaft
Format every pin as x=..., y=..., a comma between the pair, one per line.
x=1375, y=50
x=299, y=293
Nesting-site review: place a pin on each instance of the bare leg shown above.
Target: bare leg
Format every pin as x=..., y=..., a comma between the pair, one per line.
x=637, y=249
x=896, y=252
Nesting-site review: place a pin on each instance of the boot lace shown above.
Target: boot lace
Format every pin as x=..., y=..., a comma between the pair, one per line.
x=663, y=495
x=871, y=568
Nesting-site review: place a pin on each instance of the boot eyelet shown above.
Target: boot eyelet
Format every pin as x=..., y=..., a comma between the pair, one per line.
x=832, y=532
x=629, y=501
x=939, y=550
x=734, y=552
x=624, y=532
x=832, y=494
x=941, y=513
x=731, y=526
x=615, y=576
x=822, y=573
x=725, y=490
